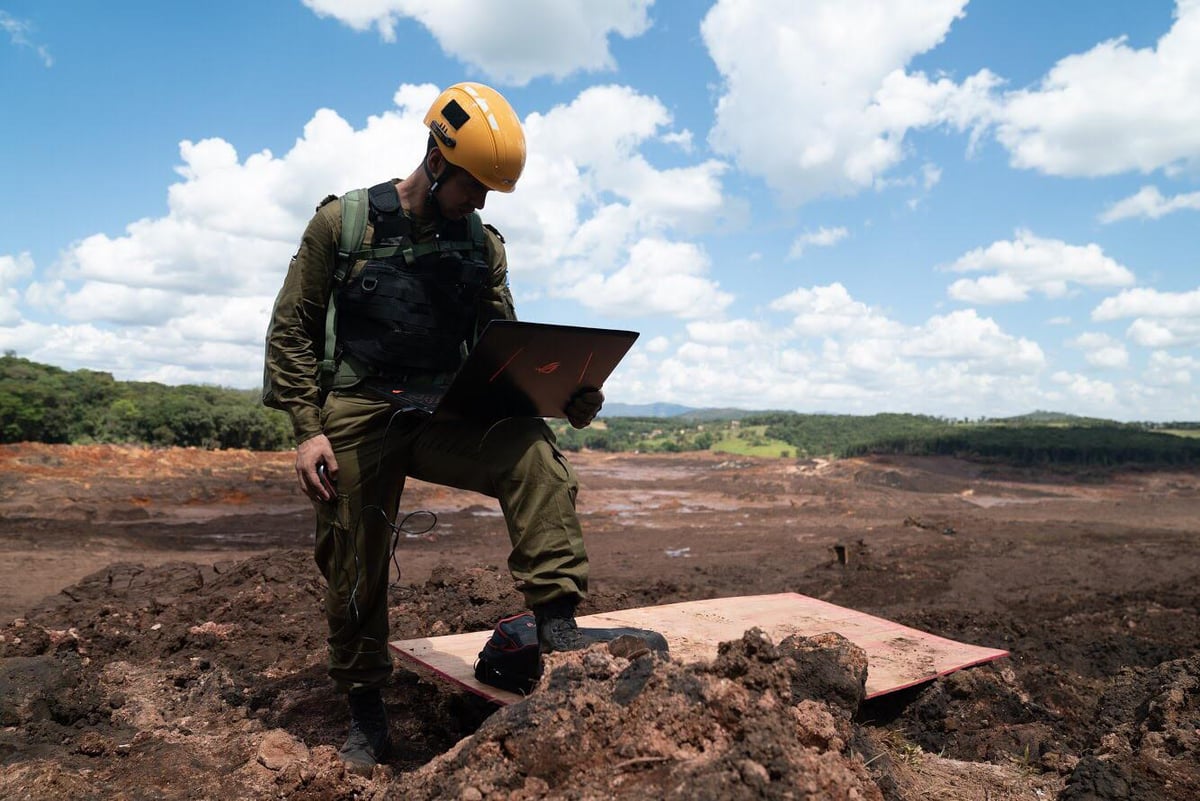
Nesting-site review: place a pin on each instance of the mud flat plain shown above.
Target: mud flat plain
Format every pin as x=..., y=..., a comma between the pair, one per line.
x=162, y=637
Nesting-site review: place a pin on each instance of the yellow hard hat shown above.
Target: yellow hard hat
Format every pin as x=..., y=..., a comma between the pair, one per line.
x=476, y=129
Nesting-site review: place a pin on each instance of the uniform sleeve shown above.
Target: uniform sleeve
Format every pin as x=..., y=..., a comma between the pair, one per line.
x=496, y=301
x=296, y=337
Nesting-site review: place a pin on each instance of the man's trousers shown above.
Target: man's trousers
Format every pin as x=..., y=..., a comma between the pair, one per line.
x=377, y=447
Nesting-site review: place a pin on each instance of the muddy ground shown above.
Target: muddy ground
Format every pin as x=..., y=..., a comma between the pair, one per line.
x=161, y=634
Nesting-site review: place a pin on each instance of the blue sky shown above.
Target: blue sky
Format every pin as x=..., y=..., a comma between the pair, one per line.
x=933, y=206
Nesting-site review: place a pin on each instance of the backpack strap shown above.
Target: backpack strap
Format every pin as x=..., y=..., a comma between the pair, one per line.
x=354, y=228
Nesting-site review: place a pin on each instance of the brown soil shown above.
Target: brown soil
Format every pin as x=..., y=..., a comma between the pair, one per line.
x=162, y=634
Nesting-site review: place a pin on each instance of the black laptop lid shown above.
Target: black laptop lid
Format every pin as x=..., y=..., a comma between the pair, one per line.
x=520, y=369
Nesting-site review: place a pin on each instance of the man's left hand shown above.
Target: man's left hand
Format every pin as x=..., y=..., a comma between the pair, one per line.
x=583, y=407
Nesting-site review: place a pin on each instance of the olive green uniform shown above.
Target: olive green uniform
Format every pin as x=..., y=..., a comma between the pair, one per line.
x=377, y=446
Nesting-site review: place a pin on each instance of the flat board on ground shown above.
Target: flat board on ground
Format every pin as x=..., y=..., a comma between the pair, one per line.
x=897, y=656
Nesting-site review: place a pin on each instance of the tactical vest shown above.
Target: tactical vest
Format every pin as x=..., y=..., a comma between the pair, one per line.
x=411, y=308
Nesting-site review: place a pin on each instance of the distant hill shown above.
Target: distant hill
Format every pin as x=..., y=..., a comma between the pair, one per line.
x=1041, y=417
x=645, y=410
x=689, y=414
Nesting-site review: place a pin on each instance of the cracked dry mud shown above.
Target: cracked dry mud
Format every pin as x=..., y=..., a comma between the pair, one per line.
x=161, y=634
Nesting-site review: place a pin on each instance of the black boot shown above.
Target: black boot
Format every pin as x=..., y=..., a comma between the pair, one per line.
x=556, y=626
x=369, y=741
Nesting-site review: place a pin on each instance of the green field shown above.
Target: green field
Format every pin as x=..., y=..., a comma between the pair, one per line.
x=751, y=441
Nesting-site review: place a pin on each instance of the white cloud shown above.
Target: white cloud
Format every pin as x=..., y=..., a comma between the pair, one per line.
x=1149, y=303
x=14, y=271
x=712, y=332
x=963, y=334
x=18, y=31
x=681, y=139
x=1090, y=392
x=1165, y=370
x=511, y=42
x=1149, y=202
x=931, y=175
x=822, y=237
x=825, y=310
x=658, y=344
x=1031, y=264
x=660, y=277
x=588, y=193
x=828, y=75
x=1101, y=350
x=1163, y=319
x=1002, y=288
x=840, y=354
x=1113, y=108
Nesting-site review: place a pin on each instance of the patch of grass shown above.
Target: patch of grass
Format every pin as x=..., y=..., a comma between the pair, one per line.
x=902, y=749
x=751, y=441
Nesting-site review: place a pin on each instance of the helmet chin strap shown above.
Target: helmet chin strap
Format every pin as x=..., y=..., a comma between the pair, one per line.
x=435, y=181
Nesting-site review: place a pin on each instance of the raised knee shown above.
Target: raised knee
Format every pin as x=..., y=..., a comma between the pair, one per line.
x=525, y=448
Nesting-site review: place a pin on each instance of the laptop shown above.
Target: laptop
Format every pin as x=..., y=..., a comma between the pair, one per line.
x=520, y=369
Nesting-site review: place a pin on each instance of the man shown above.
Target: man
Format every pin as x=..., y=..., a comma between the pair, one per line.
x=407, y=303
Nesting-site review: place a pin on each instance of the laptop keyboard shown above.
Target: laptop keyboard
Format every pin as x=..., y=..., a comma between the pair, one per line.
x=424, y=401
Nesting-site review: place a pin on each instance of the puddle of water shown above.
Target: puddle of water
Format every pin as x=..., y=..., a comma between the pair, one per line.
x=991, y=501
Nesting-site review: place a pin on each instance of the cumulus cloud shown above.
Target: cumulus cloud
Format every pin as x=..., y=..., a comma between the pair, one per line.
x=1113, y=108
x=1162, y=319
x=231, y=223
x=1149, y=202
x=712, y=332
x=1091, y=393
x=592, y=206
x=844, y=96
x=660, y=277
x=822, y=237
x=1028, y=264
x=1101, y=350
x=1165, y=370
x=14, y=270
x=820, y=349
x=824, y=310
x=510, y=42
x=829, y=76
x=964, y=335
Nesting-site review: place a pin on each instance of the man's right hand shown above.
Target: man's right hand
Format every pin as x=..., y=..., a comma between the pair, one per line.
x=311, y=454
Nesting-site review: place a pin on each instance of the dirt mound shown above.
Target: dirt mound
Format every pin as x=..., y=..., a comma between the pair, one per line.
x=1147, y=737
x=752, y=725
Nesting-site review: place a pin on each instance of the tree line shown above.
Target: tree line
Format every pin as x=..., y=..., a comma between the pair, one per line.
x=1026, y=440
x=41, y=403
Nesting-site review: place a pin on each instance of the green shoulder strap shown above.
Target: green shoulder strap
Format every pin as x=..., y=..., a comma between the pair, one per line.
x=478, y=237
x=354, y=227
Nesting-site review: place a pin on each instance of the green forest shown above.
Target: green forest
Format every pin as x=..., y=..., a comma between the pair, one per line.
x=40, y=403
